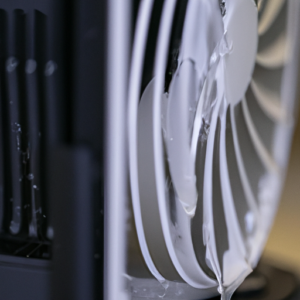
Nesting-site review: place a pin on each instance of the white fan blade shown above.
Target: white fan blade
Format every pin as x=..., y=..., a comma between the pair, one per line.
x=265, y=126
x=254, y=168
x=240, y=25
x=271, y=10
x=264, y=155
x=252, y=202
x=182, y=101
x=150, y=216
x=185, y=263
x=235, y=259
x=139, y=46
x=203, y=29
x=243, y=209
x=208, y=217
x=269, y=100
x=274, y=55
x=184, y=95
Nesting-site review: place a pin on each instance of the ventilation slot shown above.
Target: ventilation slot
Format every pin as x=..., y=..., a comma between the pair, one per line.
x=22, y=154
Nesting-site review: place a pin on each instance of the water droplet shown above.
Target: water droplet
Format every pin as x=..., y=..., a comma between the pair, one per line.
x=226, y=46
x=50, y=68
x=165, y=285
x=14, y=227
x=26, y=156
x=38, y=211
x=179, y=292
x=18, y=210
x=30, y=66
x=213, y=58
x=221, y=289
x=222, y=7
x=11, y=64
x=30, y=176
x=18, y=142
x=50, y=233
x=16, y=128
x=206, y=234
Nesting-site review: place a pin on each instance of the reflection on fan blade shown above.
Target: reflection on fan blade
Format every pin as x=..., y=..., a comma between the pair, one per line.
x=265, y=126
x=270, y=13
x=270, y=103
x=252, y=202
x=275, y=55
x=261, y=5
x=264, y=155
x=158, y=163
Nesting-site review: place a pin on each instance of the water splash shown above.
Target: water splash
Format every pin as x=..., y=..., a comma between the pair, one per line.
x=165, y=284
x=222, y=7
x=204, y=131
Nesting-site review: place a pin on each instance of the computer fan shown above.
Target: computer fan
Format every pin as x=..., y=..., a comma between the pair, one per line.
x=210, y=115
x=143, y=144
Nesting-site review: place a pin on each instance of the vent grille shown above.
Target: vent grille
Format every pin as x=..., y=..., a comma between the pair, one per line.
x=23, y=84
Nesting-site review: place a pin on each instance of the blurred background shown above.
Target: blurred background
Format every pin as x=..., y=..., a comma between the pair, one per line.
x=283, y=246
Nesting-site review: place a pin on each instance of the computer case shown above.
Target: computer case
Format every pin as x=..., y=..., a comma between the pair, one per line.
x=53, y=62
